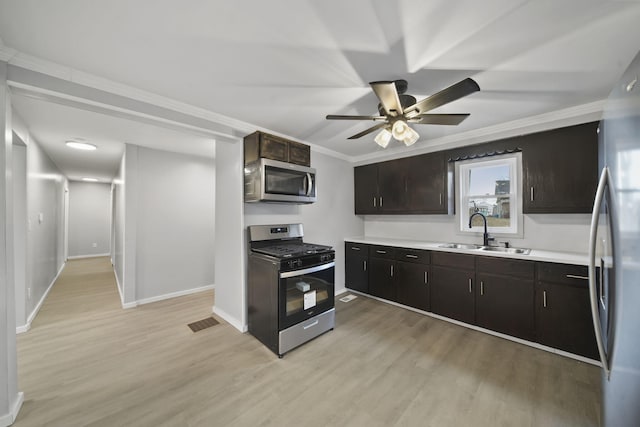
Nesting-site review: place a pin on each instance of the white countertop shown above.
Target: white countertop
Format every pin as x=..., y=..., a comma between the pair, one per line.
x=534, y=255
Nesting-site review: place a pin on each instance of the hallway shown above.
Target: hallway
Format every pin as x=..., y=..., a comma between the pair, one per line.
x=86, y=359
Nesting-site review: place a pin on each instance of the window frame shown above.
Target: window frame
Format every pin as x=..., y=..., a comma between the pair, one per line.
x=514, y=161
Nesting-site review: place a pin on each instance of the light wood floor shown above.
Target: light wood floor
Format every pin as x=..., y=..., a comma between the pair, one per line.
x=87, y=362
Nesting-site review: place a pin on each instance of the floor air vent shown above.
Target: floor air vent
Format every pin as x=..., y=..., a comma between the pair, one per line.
x=203, y=324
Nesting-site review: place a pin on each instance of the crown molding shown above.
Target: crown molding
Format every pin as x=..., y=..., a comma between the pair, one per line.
x=49, y=68
x=560, y=118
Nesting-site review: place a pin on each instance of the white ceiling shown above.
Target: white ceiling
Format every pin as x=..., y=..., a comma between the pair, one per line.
x=283, y=65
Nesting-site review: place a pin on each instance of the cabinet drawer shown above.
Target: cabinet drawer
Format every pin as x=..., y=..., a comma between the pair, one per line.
x=413, y=255
x=563, y=273
x=506, y=267
x=386, y=252
x=464, y=261
x=356, y=248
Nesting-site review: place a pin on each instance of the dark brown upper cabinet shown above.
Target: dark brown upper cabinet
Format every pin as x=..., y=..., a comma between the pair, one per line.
x=413, y=185
x=263, y=145
x=379, y=188
x=365, y=179
x=560, y=170
x=426, y=184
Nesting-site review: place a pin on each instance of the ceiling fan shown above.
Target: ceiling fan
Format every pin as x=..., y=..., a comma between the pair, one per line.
x=398, y=109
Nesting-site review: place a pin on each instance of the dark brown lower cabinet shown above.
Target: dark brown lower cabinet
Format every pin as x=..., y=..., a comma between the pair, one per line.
x=381, y=278
x=563, y=318
x=355, y=273
x=505, y=304
x=563, y=309
x=504, y=296
x=452, y=293
x=412, y=285
x=535, y=301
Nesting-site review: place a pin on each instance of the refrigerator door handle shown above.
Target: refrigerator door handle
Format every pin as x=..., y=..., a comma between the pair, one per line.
x=593, y=296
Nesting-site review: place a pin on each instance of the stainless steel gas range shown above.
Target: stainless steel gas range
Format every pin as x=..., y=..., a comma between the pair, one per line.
x=290, y=285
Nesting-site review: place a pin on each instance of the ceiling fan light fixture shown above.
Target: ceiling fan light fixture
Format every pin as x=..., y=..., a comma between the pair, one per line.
x=383, y=138
x=411, y=138
x=399, y=129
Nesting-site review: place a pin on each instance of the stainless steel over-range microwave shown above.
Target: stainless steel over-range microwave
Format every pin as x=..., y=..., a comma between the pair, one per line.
x=267, y=180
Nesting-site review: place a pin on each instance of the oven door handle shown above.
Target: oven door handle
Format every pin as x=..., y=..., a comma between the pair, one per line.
x=309, y=270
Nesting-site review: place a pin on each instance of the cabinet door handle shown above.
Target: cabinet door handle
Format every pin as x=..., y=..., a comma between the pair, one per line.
x=573, y=276
x=381, y=252
x=365, y=265
x=481, y=287
x=380, y=201
x=440, y=198
x=470, y=285
x=411, y=256
x=391, y=270
x=353, y=248
x=532, y=193
x=544, y=299
x=374, y=201
x=426, y=277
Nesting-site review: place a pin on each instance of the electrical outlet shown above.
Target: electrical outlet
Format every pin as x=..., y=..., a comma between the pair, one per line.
x=95, y=245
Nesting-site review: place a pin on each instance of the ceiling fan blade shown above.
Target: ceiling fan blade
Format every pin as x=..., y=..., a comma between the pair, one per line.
x=368, y=131
x=338, y=117
x=445, y=96
x=387, y=93
x=439, y=119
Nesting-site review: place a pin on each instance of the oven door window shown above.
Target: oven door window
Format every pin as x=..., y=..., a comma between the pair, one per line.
x=305, y=295
x=283, y=181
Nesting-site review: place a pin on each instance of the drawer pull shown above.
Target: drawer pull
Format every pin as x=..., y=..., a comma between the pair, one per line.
x=532, y=194
x=573, y=276
x=412, y=256
x=365, y=265
x=391, y=270
x=353, y=248
x=481, y=287
x=426, y=277
x=470, y=285
x=544, y=299
x=381, y=252
x=374, y=202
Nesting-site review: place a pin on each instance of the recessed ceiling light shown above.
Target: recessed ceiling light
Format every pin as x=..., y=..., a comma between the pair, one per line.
x=81, y=145
x=90, y=179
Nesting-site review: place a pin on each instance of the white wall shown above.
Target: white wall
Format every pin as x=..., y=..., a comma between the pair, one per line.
x=175, y=227
x=117, y=243
x=20, y=229
x=329, y=220
x=89, y=218
x=231, y=297
x=164, y=223
x=10, y=399
x=45, y=220
x=557, y=232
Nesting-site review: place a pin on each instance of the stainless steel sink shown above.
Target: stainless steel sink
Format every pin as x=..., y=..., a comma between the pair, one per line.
x=518, y=251
x=459, y=246
x=506, y=250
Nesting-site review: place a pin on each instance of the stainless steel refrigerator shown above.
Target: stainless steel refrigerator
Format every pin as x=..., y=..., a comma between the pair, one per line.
x=614, y=270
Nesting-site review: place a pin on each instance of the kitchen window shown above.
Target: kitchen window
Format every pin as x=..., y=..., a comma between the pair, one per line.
x=490, y=186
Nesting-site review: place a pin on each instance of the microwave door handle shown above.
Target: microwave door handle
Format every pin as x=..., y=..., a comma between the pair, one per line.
x=309, y=184
x=593, y=296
